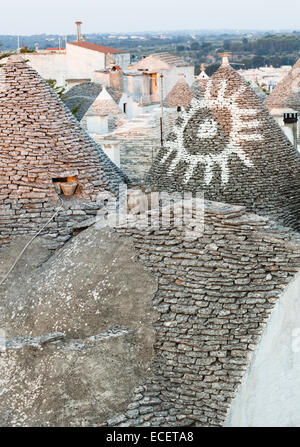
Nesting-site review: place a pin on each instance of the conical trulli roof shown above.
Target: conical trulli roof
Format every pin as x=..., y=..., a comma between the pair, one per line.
x=104, y=105
x=180, y=95
x=40, y=140
x=258, y=91
x=200, y=82
x=228, y=145
x=286, y=94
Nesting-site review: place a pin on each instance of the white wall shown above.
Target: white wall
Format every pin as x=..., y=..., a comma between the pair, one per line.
x=82, y=62
x=270, y=392
x=130, y=110
x=97, y=124
x=75, y=63
x=290, y=129
x=122, y=59
x=50, y=66
x=112, y=150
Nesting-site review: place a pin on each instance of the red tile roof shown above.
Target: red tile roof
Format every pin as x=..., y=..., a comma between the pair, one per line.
x=95, y=47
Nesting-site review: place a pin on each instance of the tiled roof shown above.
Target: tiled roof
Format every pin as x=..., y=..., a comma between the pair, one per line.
x=287, y=92
x=227, y=145
x=95, y=47
x=55, y=49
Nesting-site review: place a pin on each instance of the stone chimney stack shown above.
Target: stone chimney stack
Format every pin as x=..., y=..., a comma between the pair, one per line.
x=78, y=25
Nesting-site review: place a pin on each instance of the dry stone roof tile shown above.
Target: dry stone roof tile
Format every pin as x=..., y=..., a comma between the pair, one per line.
x=215, y=294
x=180, y=95
x=168, y=60
x=227, y=145
x=40, y=140
x=95, y=47
x=104, y=105
x=81, y=97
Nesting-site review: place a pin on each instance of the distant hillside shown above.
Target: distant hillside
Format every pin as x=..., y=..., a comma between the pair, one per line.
x=250, y=49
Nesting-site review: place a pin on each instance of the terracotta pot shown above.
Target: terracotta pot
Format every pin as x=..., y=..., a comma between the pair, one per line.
x=68, y=188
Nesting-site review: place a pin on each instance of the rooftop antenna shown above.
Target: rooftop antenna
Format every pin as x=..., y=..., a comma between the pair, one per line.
x=225, y=60
x=78, y=25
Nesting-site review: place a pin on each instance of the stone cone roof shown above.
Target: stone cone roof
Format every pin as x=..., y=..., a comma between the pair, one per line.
x=286, y=94
x=258, y=91
x=177, y=339
x=104, y=105
x=215, y=295
x=180, y=95
x=228, y=145
x=40, y=140
x=80, y=97
x=199, y=84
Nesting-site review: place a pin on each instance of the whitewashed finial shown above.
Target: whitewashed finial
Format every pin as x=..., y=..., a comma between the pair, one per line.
x=225, y=60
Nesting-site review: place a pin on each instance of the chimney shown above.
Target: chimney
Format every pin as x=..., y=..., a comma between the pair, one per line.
x=78, y=24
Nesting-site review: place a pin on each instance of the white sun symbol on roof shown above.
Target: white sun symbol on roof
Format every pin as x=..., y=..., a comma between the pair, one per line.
x=208, y=129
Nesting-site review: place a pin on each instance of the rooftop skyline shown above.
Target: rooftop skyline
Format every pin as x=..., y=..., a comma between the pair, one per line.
x=31, y=17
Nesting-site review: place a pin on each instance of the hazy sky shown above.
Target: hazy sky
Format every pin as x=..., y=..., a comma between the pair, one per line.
x=58, y=16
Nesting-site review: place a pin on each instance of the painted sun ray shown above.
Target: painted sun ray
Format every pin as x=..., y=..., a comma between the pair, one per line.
x=208, y=130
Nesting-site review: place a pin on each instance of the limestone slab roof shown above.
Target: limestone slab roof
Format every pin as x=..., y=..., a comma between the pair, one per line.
x=228, y=145
x=179, y=95
x=286, y=93
x=40, y=140
x=215, y=294
x=104, y=105
x=95, y=47
x=171, y=59
x=199, y=84
x=80, y=97
x=159, y=61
